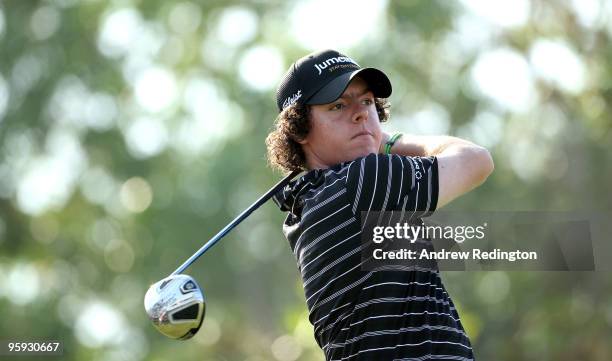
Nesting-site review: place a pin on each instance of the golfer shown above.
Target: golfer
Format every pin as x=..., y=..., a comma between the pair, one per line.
x=330, y=110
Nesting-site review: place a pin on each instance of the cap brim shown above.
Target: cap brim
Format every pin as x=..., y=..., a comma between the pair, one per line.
x=377, y=81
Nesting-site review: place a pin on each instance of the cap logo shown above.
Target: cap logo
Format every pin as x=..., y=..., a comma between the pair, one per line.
x=292, y=99
x=340, y=59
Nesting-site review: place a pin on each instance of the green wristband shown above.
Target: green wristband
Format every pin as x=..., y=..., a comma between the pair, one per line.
x=392, y=141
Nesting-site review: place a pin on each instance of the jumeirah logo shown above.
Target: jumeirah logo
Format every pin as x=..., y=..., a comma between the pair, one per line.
x=340, y=59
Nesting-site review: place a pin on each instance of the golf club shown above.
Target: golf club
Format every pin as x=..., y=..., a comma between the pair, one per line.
x=176, y=304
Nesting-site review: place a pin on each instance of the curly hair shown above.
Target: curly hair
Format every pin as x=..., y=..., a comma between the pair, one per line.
x=291, y=126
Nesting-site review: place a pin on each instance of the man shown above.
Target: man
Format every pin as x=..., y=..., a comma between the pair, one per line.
x=329, y=125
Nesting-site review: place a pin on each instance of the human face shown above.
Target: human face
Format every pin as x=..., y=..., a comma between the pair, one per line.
x=343, y=130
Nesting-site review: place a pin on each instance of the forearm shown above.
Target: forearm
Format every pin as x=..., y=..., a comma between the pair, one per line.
x=426, y=145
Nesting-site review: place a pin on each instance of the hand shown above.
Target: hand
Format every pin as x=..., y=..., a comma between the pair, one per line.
x=407, y=145
x=383, y=140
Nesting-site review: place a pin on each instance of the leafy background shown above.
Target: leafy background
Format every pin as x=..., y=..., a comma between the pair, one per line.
x=132, y=131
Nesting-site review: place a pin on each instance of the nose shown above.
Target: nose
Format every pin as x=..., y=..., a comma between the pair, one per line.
x=360, y=114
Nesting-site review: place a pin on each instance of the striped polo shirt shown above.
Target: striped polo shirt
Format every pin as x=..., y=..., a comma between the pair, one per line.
x=369, y=315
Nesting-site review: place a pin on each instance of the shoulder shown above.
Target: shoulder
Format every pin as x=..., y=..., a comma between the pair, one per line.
x=328, y=182
x=391, y=181
x=388, y=165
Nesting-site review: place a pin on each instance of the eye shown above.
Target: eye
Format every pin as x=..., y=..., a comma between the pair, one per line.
x=368, y=101
x=336, y=106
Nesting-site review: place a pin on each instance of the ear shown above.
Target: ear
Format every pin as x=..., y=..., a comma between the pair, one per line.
x=304, y=140
x=300, y=140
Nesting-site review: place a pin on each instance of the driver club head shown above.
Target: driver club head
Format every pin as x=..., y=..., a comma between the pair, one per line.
x=176, y=306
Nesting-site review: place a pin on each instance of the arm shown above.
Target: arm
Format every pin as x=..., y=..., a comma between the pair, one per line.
x=462, y=165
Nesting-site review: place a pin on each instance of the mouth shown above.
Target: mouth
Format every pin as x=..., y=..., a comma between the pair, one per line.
x=361, y=134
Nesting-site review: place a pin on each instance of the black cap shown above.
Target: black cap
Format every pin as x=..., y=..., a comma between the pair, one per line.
x=322, y=77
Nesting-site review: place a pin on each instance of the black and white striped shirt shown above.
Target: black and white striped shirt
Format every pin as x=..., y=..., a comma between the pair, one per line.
x=369, y=315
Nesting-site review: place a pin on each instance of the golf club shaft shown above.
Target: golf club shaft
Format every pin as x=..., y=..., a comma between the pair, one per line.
x=263, y=199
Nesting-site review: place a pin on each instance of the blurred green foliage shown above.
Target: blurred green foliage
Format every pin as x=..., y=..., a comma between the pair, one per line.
x=132, y=131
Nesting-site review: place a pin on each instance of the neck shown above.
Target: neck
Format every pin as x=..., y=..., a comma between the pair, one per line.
x=312, y=159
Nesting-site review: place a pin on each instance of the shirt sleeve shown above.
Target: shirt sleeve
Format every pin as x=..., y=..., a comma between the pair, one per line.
x=389, y=182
